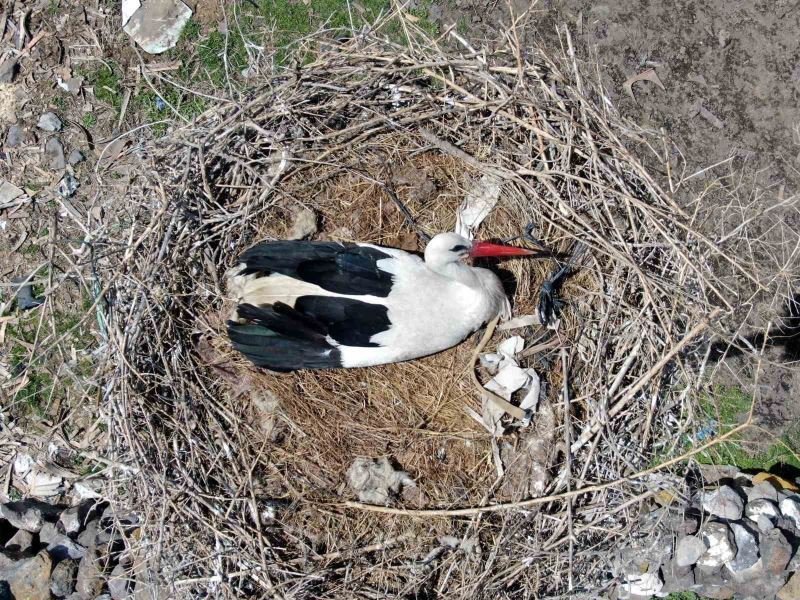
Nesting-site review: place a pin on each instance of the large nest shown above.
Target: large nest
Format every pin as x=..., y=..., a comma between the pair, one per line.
x=242, y=474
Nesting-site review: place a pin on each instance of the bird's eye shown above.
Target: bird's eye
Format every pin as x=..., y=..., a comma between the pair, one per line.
x=459, y=248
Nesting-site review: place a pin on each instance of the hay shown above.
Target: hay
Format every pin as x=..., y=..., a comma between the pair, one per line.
x=241, y=473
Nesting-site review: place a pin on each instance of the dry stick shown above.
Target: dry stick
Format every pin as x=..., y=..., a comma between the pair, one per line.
x=568, y=452
x=501, y=403
x=620, y=404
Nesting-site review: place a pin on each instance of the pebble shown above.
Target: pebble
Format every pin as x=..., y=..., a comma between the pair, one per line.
x=776, y=552
x=746, y=549
x=9, y=192
x=54, y=154
x=30, y=578
x=721, y=548
x=14, y=136
x=49, y=122
x=762, y=491
x=723, y=502
x=790, y=508
x=70, y=519
x=689, y=550
x=48, y=532
x=62, y=547
x=75, y=157
x=20, y=541
x=62, y=579
x=22, y=516
x=88, y=536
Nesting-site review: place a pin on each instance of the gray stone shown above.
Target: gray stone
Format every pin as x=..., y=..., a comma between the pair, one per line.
x=790, y=507
x=721, y=547
x=62, y=579
x=62, y=547
x=48, y=533
x=746, y=549
x=676, y=578
x=689, y=525
x=689, y=550
x=15, y=136
x=712, y=585
x=22, y=516
x=30, y=578
x=723, y=502
x=68, y=185
x=765, y=507
x=88, y=537
x=762, y=491
x=8, y=70
x=756, y=571
x=90, y=579
x=50, y=122
x=75, y=157
x=70, y=519
x=791, y=591
x=119, y=583
x=20, y=541
x=764, y=523
x=776, y=551
x=54, y=154
x=765, y=588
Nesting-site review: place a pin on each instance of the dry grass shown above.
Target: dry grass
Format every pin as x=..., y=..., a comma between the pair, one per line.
x=240, y=473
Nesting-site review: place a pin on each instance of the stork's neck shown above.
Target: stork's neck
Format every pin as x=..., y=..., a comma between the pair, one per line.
x=456, y=270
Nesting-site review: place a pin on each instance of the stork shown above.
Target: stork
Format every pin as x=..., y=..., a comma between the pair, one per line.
x=325, y=305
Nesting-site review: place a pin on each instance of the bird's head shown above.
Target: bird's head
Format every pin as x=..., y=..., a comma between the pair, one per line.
x=450, y=248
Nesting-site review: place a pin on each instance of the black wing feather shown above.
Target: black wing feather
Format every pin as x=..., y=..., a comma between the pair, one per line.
x=340, y=268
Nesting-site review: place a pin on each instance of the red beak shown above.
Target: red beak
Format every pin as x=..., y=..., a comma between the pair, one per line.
x=488, y=249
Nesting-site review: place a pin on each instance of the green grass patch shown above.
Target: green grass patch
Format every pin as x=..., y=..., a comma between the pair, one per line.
x=89, y=120
x=106, y=82
x=723, y=409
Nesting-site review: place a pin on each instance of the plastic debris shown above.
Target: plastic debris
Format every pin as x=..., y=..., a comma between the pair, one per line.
x=68, y=185
x=24, y=294
x=477, y=205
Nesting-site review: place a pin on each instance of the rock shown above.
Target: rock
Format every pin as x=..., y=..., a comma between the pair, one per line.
x=304, y=224
x=23, y=294
x=9, y=192
x=54, y=154
x=20, y=541
x=68, y=185
x=689, y=550
x=75, y=157
x=48, y=533
x=376, y=481
x=791, y=591
x=676, y=578
x=762, y=491
x=118, y=583
x=70, y=520
x=790, y=507
x=764, y=523
x=8, y=70
x=689, y=525
x=776, y=552
x=88, y=536
x=15, y=136
x=49, y=122
x=712, y=585
x=89, y=580
x=22, y=516
x=62, y=580
x=157, y=24
x=62, y=547
x=768, y=508
x=765, y=588
x=746, y=549
x=721, y=547
x=30, y=578
x=756, y=571
x=723, y=502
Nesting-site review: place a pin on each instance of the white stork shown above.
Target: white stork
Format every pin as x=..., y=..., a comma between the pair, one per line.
x=324, y=305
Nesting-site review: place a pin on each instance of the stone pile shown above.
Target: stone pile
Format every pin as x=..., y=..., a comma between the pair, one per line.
x=77, y=553
x=737, y=539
